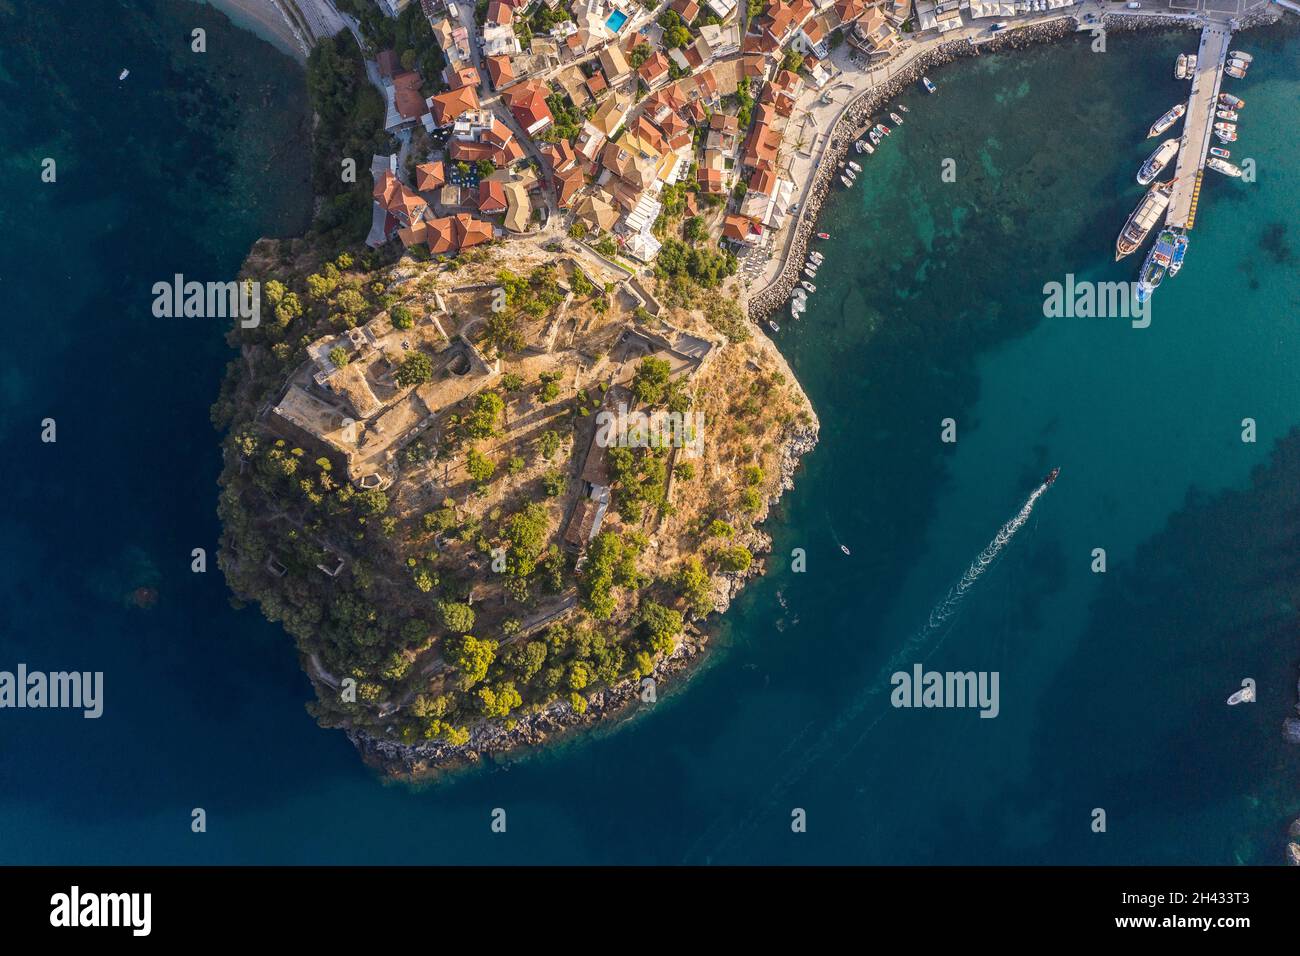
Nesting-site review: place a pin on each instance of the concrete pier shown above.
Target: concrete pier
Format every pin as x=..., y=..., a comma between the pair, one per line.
x=1198, y=125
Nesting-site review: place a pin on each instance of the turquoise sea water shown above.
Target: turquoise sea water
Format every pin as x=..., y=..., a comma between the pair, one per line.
x=929, y=307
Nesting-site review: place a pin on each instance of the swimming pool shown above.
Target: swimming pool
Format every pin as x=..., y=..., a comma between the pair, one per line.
x=616, y=20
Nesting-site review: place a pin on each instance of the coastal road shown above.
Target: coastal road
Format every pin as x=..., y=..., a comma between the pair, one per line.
x=1198, y=124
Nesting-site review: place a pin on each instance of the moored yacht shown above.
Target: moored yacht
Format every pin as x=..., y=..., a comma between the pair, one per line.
x=1143, y=219
x=1223, y=166
x=1180, y=250
x=1157, y=161
x=1168, y=120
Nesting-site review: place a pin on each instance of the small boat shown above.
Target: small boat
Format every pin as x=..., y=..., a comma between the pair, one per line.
x=1224, y=136
x=1180, y=250
x=1180, y=67
x=898, y=120
x=773, y=326
x=1157, y=161
x=855, y=167
x=848, y=183
x=810, y=272
x=1167, y=120
x=857, y=146
x=845, y=549
x=1223, y=166
x=927, y=85
x=874, y=136
x=1051, y=477
x=816, y=256
x=885, y=130
x=850, y=174
x=808, y=285
x=1246, y=58
x=1244, y=696
x=1231, y=102
x=1226, y=127
x=1226, y=115
x=868, y=148
x=123, y=75
x=1236, y=72
x=823, y=235
x=1220, y=152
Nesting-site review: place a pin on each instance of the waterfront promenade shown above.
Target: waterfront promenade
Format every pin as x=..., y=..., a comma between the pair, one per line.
x=1198, y=124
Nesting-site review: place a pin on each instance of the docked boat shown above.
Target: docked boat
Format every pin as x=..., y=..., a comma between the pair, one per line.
x=857, y=146
x=1223, y=166
x=1180, y=67
x=1226, y=115
x=1180, y=250
x=773, y=326
x=823, y=235
x=1157, y=161
x=816, y=256
x=927, y=85
x=1143, y=219
x=1225, y=136
x=1246, y=58
x=903, y=109
x=810, y=272
x=1231, y=102
x=898, y=120
x=1220, y=152
x=855, y=167
x=874, y=136
x=1168, y=120
x=1226, y=127
x=1235, y=70
x=850, y=175
x=808, y=286
x=848, y=183
x=1157, y=262
x=885, y=130
x=868, y=148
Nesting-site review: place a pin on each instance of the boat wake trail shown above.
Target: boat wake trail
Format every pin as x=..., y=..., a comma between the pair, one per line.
x=917, y=648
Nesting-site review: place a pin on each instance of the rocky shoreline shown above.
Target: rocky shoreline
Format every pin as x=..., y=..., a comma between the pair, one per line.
x=855, y=118
x=497, y=739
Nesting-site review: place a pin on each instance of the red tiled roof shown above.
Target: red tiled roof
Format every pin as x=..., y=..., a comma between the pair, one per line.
x=500, y=71
x=491, y=197
x=447, y=106
x=429, y=176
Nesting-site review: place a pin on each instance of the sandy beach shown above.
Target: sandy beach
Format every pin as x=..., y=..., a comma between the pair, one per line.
x=265, y=19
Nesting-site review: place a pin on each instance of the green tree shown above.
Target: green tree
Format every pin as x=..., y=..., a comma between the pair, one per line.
x=472, y=658
x=651, y=380
x=456, y=617
x=339, y=356
x=416, y=369
x=737, y=558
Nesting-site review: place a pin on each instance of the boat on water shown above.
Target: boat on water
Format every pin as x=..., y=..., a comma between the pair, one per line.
x=1157, y=262
x=868, y=148
x=874, y=136
x=810, y=272
x=123, y=75
x=1235, y=70
x=903, y=109
x=816, y=256
x=773, y=326
x=1246, y=58
x=845, y=549
x=898, y=120
x=1223, y=166
x=1180, y=67
x=808, y=286
x=927, y=85
x=857, y=146
x=1230, y=115
x=1225, y=136
x=1051, y=477
x=1168, y=120
x=1244, y=696
x=1157, y=161
x=823, y=235
x=1226, y=127
x=885, y=129
x=1220, y=152
x=1231, y=102
x=1180, y=250
x=1143, y=219
x=855, y=167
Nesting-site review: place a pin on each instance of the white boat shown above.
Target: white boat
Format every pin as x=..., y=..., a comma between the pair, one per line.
x=1220, y=152
x=123, y=75
x=1244, y=696
x=874, y=136
x=1180, y=67
x=1157, y=161
x=898, y=120
x=903, y=108
x=808, y=286
x=857, y=146
x=816, y=256
x=848, y=183
x=1235, y=70
x=1226, y=127
x=1231, y=102
x=925, y=82
x=1226, y=115
x=855, y=167
x=1167, y=120
x=1225, y=137
x=810, y=272
x=1223, y=166
x=1243, y=57
x=868, y=148
x=773, y=326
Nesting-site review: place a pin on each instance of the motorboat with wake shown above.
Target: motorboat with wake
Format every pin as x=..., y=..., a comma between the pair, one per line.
x=1157, y=161
x=1168, y=120
x=1051, y=477
x=1143, y=219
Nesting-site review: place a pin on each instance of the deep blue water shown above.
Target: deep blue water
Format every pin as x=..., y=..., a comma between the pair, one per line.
x=1112, y=685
